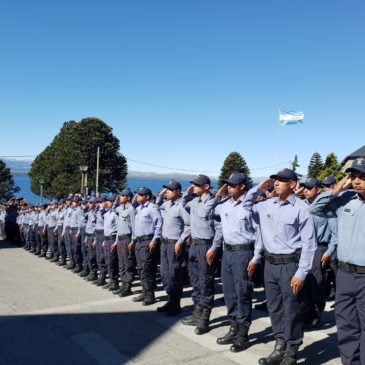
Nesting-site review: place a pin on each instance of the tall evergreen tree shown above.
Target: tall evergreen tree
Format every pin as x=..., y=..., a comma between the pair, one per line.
x=315, y=165
x=75, y=145
x=234, y=162
x=7, y=185
x=331, y=167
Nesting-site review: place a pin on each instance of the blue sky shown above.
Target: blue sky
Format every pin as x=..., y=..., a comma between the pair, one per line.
x=184, y=83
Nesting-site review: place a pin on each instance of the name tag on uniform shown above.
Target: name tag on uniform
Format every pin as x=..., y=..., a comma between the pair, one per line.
x=348, y=210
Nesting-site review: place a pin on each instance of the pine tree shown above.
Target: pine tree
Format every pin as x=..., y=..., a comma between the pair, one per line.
x=331, y=167
x=7, y=185
x=75, y=145
x=315, y=165
x=234, y=162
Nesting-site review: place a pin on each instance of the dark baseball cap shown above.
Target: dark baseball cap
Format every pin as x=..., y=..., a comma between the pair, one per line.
x=110, y=198
x=285, y=174
x=93, y=200
x=173, y=185
x=69, y=197
x=144, y=191
x=357, y=165
x=54, y=202
x=311, y=183
x=235, y=178
x=126, y=192
x=77, y=199
x=201, y=180
x=61, y=201
x=329, y=180
x=101, y=199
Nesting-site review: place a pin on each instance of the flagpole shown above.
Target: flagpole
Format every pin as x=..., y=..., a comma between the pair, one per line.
x=277, y=138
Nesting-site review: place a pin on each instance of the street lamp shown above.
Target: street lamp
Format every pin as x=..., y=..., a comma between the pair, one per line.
x=83, y=169
x=41, y=182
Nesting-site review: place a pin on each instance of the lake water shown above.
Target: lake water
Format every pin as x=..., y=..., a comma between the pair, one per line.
x=23, y=181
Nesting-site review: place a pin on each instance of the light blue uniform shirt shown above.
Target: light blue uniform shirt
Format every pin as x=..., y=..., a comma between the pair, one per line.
x=74, y=220
x=176, y=220
x=284, y=227
x=61, y=216
x=110, y=222
x=52, y=218
x=100, y=219
x=326, y=231
x=201, y=211
x=235, y=225
x=148, y=220
x=349, y=208
x=82, y=213
x=91, y=221
x=126, y=220
x=67, y=219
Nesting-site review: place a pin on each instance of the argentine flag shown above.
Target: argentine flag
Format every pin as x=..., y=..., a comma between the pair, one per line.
x=290, y=117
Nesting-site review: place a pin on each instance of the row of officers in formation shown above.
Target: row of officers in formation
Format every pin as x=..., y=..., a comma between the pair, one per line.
x=291, y=231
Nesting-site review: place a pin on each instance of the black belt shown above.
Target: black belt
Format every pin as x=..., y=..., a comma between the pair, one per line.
x=112, y=237
x=124, y=236
x=240, y=247
x=99, y=231
x=145, y=237
x=168, y=241
x=74, y=229
x=323, y=244
x=282, y=259
x=201, y=241
x=90, y=234
x=353, y=269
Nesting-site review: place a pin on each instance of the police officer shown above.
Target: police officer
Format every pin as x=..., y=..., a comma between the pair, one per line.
x=286, y=233
x=41, y=229
x=75, y=235
x=98, y=242
x=326, y=228
x=349, y=207
x=90, y=238
x=175, y=231
x=110, y=250
x=328, y=182
x=202, y=251
x=52, y=232
x=82, y=219
x=125, y=235
x=148, y=225
x=66, y=233
x=236, y=226
x=59, y=227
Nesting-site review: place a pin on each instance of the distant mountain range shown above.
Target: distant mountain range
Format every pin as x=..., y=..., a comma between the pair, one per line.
x=22, y=167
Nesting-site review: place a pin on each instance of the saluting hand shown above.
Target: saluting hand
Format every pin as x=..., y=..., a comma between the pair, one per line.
x=343, y=184
x=190, y=189
x=296, y=285
x=210, y=255
x=265, y=184
x=251, y=267
x=221, y=191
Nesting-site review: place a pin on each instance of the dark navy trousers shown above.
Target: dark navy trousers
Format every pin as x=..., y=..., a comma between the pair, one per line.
x=61, y=243
x=171, y=270
x=100, y=258
x=284, y=307
x=91, y=253
x=237, y=287
x=350, y=317
x=126, y=260
x=147, y=264
x=52, y=239
x=201, y=276
x=111, y=258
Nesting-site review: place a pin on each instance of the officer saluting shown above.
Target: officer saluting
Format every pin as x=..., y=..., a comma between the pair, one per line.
x=349, y=206
x=286, y=233
x=236, y=227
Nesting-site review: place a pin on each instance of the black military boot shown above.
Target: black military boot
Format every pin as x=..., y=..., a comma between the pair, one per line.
x=93, y=276
x=49, y=257
x=290, y=356
x=114, y=286
x=149, y=298
x=139, y=298
x=231, y=336
x=85, y=272
x=277, y=356
x=194, y=319
x=62, y=261
x=203, y=324
x=241, y=342
x=164, y=308
x=43, y=254
x=71, y=265
x=77, y=269
x=55, y=258
x=174, y=308
x=126, y=290
x=32, y=250
x=101, y=280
